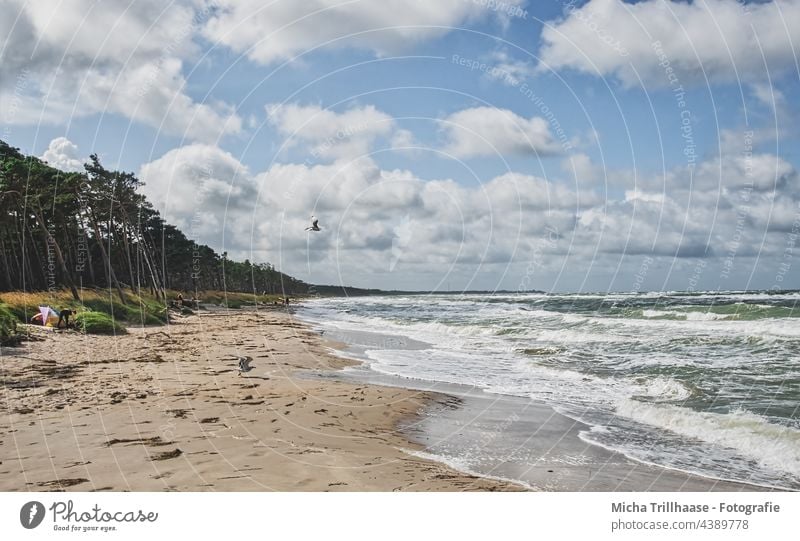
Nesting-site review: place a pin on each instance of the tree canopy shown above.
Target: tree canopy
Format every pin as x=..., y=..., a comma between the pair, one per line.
x=95, y=229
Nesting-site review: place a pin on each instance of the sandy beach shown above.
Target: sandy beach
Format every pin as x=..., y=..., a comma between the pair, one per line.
x=164, y=408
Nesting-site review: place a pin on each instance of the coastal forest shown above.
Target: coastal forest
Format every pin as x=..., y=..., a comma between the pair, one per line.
x=64, y=231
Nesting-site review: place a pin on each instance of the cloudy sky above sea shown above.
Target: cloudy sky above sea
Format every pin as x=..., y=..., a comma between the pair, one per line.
x=448, y=144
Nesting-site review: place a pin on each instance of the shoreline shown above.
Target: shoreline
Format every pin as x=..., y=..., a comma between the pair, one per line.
x=164, y=409
x=524, y=441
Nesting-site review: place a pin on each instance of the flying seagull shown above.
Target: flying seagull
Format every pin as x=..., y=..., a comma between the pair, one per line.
x=314, y=224
x=244, y=364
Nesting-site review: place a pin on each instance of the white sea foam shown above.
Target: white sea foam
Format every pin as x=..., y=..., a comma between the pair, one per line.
x=603, y=369
x=687, y=315
x=662, y=388
x=773, y=446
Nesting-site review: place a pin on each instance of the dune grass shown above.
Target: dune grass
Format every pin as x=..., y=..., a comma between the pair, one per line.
x=98, y=323
x=8, y=327
x=100, y=311
x=137, y=310
x=141, y=310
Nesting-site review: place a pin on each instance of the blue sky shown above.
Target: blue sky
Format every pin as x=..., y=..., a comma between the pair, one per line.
x=567, y=170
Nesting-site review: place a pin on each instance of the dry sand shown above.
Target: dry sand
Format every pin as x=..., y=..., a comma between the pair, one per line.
x=165, y=409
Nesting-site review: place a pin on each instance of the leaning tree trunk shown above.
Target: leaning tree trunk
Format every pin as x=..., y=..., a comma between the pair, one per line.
x=26, y=269
x=127, y=250
x=59, y=256
x=6, y=260
x=82, y=226
x=106, y=260
x=157, y=283
x=33, y=247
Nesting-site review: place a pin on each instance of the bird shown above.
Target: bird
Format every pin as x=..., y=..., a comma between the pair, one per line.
x=244, y=364
x=314, y=224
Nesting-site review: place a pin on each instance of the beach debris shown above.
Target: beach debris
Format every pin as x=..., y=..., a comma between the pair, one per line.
x=154, y=441
x=314, y=224
x=152, y=334
x=167, y=455
x=61, y=484
x=244, y=364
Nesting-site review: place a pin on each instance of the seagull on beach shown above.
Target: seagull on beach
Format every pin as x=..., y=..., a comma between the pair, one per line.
x=244, y=364
x=314, y=224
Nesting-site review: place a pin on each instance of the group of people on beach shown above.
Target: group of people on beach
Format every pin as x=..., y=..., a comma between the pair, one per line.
x=63, y=316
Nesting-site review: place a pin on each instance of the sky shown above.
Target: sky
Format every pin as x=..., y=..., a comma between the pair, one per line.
x=443, y=145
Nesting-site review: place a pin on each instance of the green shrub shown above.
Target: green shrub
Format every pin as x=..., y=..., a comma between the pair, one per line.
x=98, y=323
x=8, y=327
x=143, y=313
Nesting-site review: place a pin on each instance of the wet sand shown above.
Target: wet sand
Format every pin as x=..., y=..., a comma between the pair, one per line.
x=513, y=437
x=165, y=409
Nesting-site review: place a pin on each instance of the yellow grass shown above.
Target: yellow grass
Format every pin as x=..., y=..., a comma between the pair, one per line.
x=25, y=304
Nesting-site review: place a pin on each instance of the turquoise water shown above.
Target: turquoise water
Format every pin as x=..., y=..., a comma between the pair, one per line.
x=704, y=382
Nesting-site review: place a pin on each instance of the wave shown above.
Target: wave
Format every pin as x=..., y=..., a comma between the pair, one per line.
x=772, y=446
x=688, y=316
x=658, y=370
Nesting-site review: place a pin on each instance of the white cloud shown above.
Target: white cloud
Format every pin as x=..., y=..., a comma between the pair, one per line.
x=276, y=31
x=331, y=134
x=200, y=188
x=63, y=154
x=722, y=40
x=395, y=229
x=209, y=194
x=482, y=131
x=70, y=59
x=581, y=169
x=770, y=96
x=509, y=70
x=403, y=139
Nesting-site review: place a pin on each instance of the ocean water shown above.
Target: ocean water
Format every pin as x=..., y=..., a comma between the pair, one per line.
x=707, y=383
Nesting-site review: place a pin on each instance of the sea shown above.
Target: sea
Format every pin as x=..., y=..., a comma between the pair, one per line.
x=703, y=382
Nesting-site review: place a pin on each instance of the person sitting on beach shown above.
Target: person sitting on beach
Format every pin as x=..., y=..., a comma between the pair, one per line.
x=179, y=300
x=64, y=315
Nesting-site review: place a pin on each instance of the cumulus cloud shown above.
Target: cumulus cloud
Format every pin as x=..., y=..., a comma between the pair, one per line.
x=722, y=40
x=63, y=60
x=63, y=154
x=373, y=220
x=404, y=140
x=770, y=96
x=276, y=31
x=483, y=131
x=200, y=188
x=509, y=70
x=393, y=228
x=331, y=134
x=580, y=168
